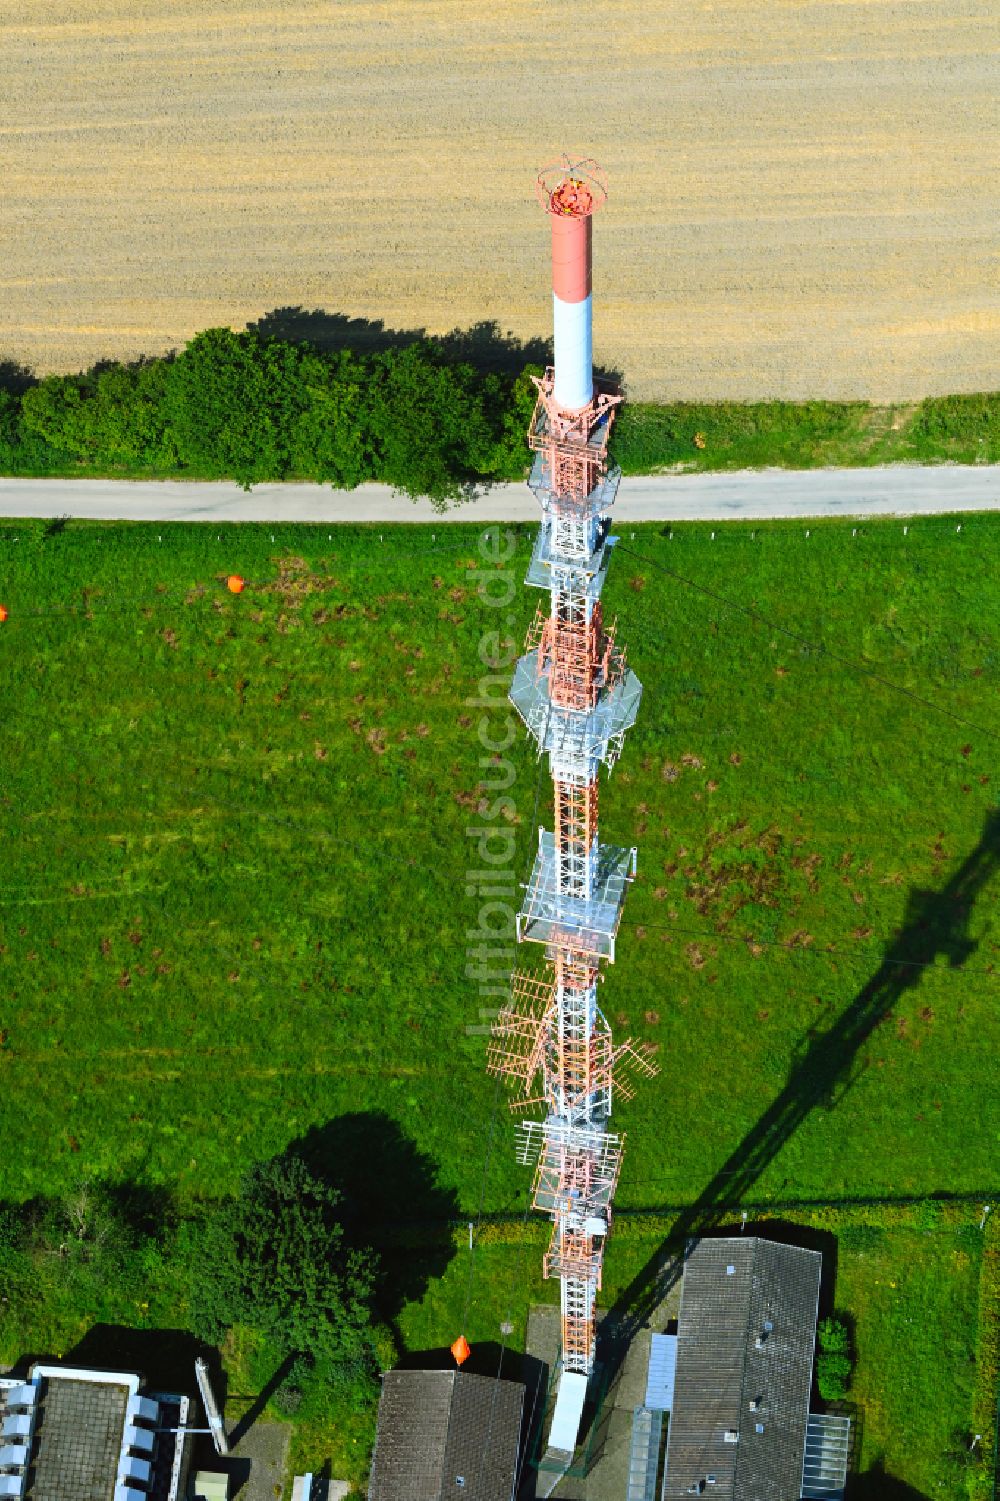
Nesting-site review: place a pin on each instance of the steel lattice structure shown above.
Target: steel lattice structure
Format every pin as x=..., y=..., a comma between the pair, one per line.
x=577, y=698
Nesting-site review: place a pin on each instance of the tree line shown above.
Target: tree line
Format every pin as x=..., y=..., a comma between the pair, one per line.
x=255, y=409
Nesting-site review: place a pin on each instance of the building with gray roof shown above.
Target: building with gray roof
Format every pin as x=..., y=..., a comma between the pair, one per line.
x=745, y=1338
x=446, y=1434
x=75, y=1434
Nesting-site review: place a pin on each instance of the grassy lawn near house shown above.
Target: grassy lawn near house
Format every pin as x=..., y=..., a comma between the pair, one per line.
x=911, y=1295
x=235, y=849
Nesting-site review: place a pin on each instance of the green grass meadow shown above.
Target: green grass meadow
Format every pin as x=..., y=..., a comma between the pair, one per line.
x=234, y=906
x=693, y=436
x=911, y=1296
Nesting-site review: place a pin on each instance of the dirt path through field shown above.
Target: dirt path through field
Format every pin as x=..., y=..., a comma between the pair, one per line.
x=805, y=196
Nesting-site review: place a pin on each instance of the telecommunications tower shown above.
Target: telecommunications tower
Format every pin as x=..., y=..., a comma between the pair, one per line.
x=577, y=699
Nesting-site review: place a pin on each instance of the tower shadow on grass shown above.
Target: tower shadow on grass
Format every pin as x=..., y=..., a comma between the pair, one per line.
x=935, y=926
x=260, y=1401
x=392, y=1200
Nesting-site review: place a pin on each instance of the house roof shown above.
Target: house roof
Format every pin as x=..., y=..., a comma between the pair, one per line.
x=78, y=1440
x=446, y=1434
x=746, y=1332
x=79, y=1434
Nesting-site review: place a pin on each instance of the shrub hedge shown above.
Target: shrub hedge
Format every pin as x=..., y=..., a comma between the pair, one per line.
x=833, y=1359
x=258, y=409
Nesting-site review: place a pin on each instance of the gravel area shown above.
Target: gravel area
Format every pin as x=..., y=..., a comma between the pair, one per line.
x=804, y=201
x=255, y=1465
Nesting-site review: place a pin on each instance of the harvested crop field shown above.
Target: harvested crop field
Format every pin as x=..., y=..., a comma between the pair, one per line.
x=804, y=198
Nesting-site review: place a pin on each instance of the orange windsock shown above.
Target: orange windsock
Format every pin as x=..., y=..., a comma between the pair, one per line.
x=235, y=584
x=461, y=1350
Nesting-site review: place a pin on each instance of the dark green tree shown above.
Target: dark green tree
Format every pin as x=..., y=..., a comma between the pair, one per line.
x=23, y=451
x=130, y=423
x=107, y=418
x=54, y=411
x=328, y=441
x=507, y=405
x=426, y=423
x=10, y=430
x=277, y=1259
x=233, y=401
x=255, y=409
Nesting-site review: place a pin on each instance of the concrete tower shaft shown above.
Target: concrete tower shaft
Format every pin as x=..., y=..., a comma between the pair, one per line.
x=571, y=195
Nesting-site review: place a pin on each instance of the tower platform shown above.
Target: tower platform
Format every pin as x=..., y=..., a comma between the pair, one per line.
x=585, y=574
x=569, y=736
x=598, y=503
x=585, y=926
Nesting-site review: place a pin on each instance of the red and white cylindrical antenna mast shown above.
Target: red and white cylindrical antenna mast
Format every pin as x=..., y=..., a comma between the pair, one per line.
x=571, y=193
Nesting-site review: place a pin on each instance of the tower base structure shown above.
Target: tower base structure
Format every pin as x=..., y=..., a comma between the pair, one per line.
x=568, y=1414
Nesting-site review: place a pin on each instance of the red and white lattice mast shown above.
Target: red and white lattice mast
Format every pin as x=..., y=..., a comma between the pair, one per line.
x=577, y=698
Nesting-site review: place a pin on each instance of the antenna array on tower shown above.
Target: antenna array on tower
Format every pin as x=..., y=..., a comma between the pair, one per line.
x=577, y=698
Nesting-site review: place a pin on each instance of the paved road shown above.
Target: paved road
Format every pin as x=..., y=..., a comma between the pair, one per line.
x=900, y=490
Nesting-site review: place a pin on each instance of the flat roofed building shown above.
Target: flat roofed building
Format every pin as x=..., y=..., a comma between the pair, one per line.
x=82, y=1426
x=446, y=1436
x=745, y=1339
